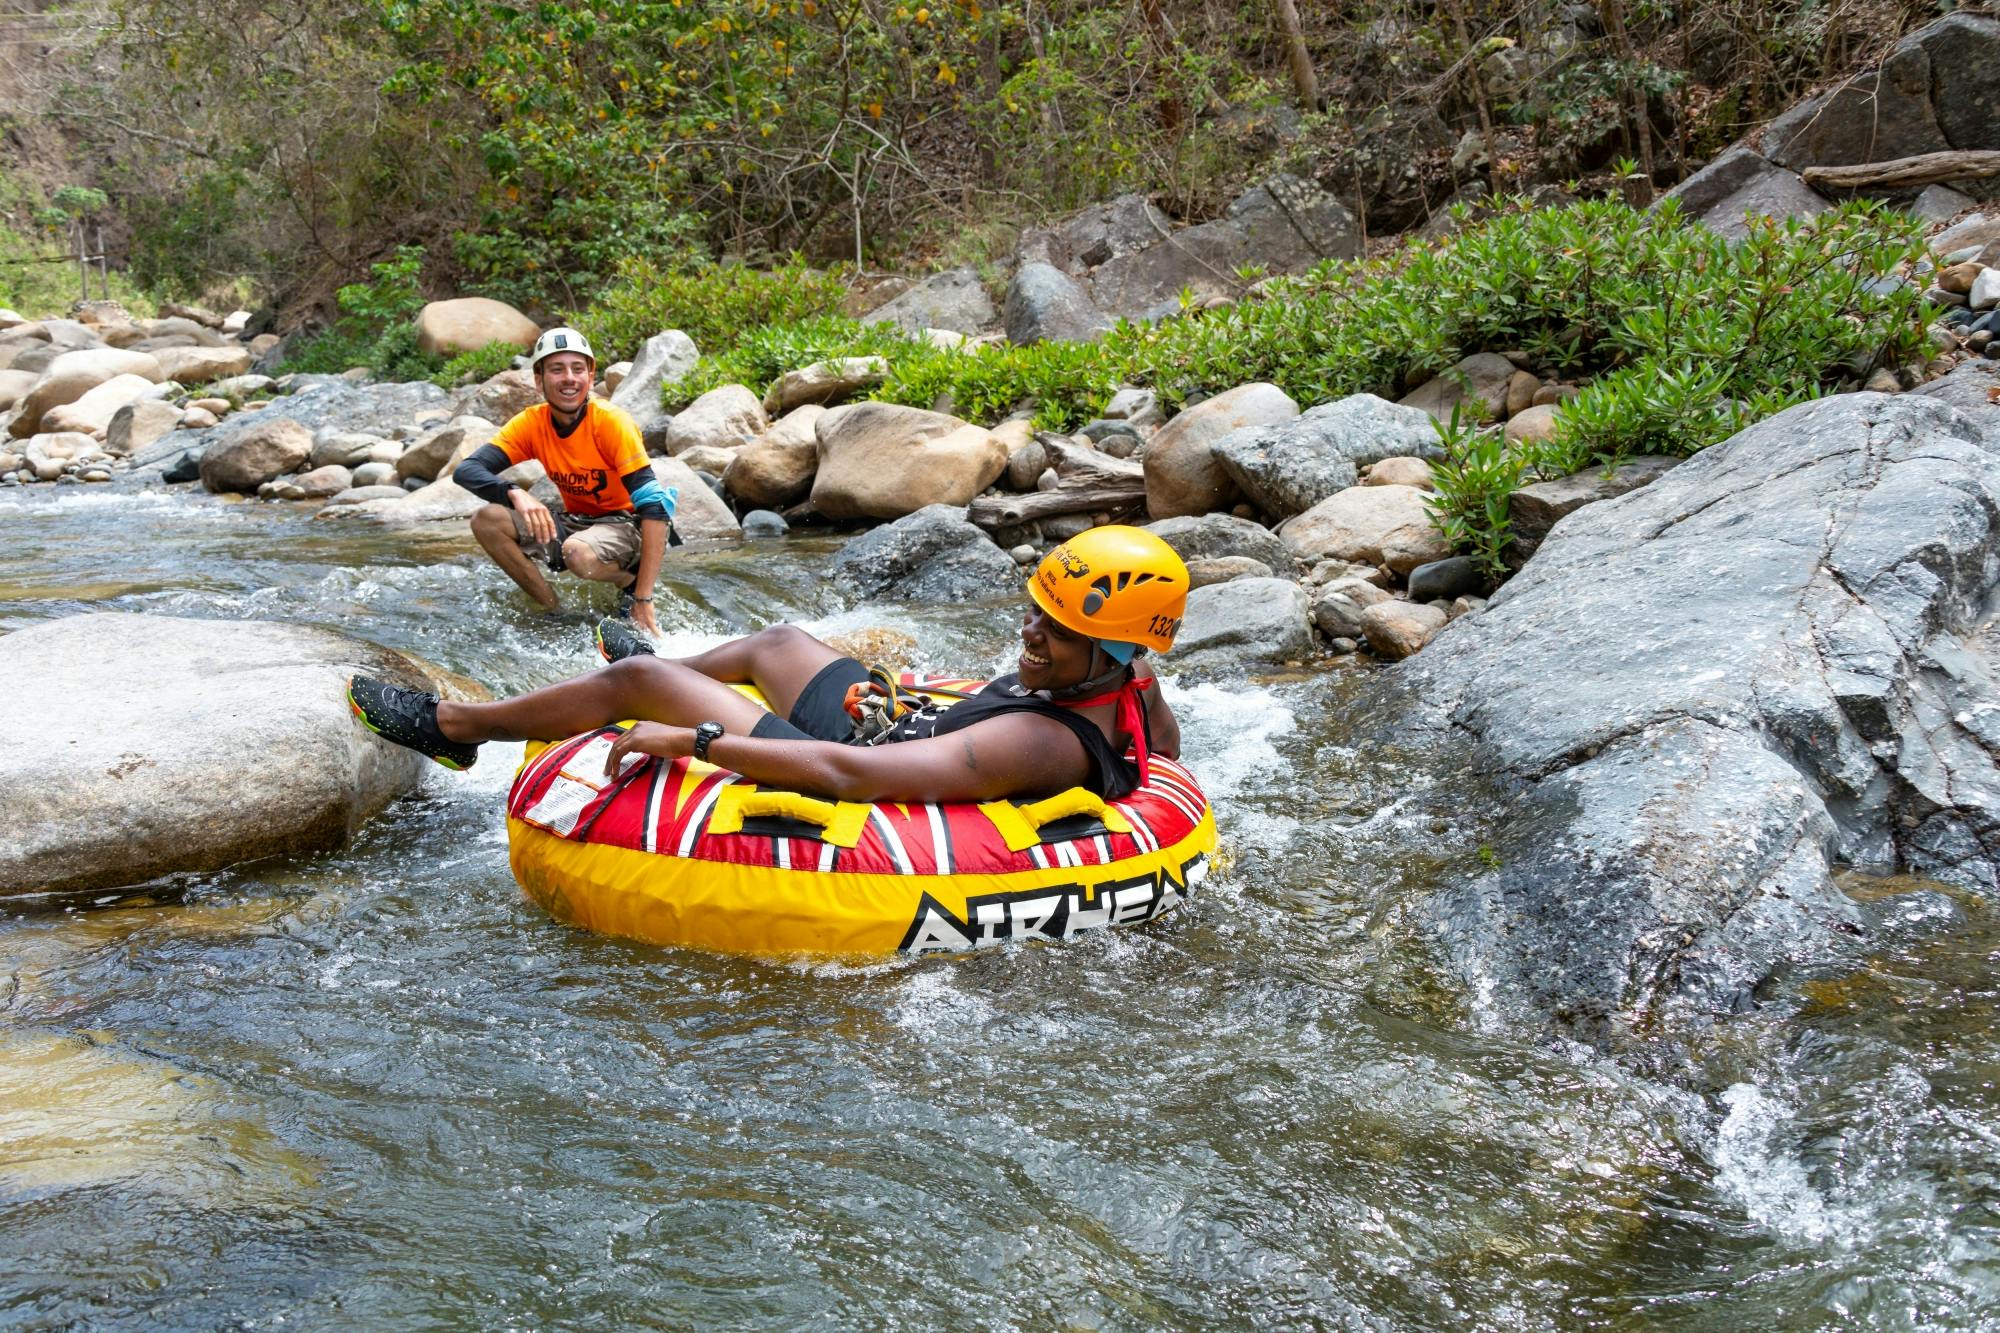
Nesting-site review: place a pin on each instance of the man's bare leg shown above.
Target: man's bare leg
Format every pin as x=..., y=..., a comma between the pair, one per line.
x=493, y=525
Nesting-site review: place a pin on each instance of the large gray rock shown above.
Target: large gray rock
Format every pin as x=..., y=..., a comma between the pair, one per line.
x=1288, y=468
x=1701, y=696
x=881, y=460
x=1182, y=474
x=1535, y=508
x=1094, y=235
x=1045, y=305
x=1939, y=89
x=1242, y=625
x=666, y=358
x=1220, y=536
x=374, y=409
x=1284, y=225
x=699, y=513
x=1373, y=525
x=249, y=458
x=954, y=300
x=933, y=555
x=726, y=417
x=205, y=743
x=1741, y=184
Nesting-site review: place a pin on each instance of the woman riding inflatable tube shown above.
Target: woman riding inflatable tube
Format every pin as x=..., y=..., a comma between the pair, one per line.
x=1080, y=698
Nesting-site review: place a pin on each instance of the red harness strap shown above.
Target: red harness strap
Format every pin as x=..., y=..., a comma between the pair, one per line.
x=1131, y=718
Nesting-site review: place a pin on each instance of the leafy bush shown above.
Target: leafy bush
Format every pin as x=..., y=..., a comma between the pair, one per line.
x=476, y=366
x=1689, y=337
x=377, y=327
x=713, y=304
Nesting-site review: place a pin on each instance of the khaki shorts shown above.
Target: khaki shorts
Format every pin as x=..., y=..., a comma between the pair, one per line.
x=612, y=538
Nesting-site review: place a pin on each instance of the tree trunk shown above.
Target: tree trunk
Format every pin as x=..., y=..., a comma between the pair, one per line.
x=1301, y=59
x=1613, y=14
x=1924, y=169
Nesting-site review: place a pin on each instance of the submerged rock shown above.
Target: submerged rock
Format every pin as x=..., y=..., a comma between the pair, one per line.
x=1705, y=693
x=205, y=743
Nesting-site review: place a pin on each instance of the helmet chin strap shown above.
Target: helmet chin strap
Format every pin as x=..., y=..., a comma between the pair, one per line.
x=1096, y=683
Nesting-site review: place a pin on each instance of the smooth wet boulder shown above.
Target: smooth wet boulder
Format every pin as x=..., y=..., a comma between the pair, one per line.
x=881, y=460
x=1242, y=625
x=666, y=358
x=264, y=451
x=1375, y=525
x=824, y=383
x=200, y=365
x=1703, y=695
x=700, y=515
x=933, y=555
x=205, y=743
x=1288, y=467
x=776, y=469
x=955, y=299
x=1219, y=536
x=71, y=375
x=726, y=417
x=1182, y=474
x=468, y=323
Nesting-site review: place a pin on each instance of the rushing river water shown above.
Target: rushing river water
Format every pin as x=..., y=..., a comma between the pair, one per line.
x=377, y=1088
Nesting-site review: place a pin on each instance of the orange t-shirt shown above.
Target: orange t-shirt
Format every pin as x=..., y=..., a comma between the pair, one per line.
x=587, y=465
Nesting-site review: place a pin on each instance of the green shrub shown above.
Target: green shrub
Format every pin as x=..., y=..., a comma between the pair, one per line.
x=714, y=304
x=476, y=366
x=377, y=327
x=1685, y=338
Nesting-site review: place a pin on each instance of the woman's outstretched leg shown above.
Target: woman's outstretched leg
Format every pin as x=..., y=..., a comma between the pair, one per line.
x=648, y=689
x=780, y=661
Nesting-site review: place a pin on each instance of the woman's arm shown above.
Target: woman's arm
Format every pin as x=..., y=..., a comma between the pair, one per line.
x=1164, y=727
x=1016, y=755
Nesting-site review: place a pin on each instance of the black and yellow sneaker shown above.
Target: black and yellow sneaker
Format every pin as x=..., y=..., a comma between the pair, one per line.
x=616, y=642
x=407, y=717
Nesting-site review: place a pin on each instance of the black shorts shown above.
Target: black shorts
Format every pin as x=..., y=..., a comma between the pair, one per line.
x=821, y=711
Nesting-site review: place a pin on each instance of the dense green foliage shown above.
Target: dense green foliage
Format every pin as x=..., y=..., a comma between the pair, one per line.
x=711, y=303
x=377, y=326
x=536, y=148
x=1682, y=337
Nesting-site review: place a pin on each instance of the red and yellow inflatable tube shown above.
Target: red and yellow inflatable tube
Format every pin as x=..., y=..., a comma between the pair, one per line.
x=684, y=853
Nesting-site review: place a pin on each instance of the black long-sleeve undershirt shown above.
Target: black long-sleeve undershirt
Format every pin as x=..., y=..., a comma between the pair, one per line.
x=480, y=474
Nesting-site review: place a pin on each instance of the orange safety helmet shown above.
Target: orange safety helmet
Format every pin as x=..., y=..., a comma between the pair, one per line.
x=1120, y=585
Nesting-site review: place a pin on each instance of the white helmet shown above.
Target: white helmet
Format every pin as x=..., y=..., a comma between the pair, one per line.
x=563, y=339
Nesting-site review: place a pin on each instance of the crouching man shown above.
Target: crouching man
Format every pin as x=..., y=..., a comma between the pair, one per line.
x=616, y=517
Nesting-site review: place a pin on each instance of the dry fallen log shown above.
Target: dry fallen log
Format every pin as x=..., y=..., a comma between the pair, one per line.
x=1087, y=480
x=1924, y=169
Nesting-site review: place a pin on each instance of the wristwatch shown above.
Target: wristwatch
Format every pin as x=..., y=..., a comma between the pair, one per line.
x=706, y=735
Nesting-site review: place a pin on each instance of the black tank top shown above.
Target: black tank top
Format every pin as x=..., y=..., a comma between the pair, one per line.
x=1112, y=776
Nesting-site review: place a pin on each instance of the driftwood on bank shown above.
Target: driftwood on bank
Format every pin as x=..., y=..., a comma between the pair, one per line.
x=1924, y=169
x=1087, y=480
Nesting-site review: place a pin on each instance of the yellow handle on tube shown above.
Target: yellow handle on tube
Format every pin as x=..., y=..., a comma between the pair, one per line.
x=840, y=824
x=1020, y=826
